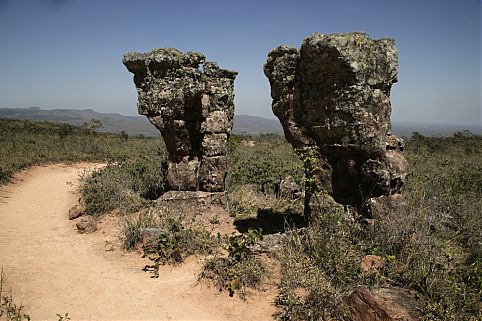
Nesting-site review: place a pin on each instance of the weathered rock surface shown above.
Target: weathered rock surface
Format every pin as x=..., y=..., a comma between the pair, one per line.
x=191, y=101
x=271, y=243
x=384, y=304
x=332, y=98
x=150, y=236
x=192, y=199
x=371, y=264
x=289, y=188
x=380, y=206
x=86, y=224
x=76, y=211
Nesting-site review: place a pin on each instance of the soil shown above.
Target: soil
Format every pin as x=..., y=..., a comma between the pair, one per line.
x=51, y=269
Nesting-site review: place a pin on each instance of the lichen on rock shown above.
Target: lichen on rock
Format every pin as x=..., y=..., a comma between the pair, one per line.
x=191, y=101
x=332, y=97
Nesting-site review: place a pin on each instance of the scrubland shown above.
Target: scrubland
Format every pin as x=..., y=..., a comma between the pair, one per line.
x=435, y=248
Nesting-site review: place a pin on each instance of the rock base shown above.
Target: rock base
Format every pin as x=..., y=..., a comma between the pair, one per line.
x=201, y=200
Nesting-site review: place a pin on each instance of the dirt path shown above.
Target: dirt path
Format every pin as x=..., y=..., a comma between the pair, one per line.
x=52, y=269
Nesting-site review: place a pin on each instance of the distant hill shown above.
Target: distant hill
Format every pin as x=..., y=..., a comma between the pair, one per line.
x=254, y=125
x=132, y=125
x=112, y=122
x=406, y=129
x=243, y=124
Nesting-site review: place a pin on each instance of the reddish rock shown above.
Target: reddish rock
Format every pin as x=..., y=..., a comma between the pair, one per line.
x=371, y=264
x=384, y=304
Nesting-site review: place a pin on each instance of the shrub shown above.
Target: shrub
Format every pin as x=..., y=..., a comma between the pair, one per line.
x=263, y=161
x=318, y=265
x=244, y=201
x=240, y=269
x=132, y=231
x=175, y=241
x=127, y=186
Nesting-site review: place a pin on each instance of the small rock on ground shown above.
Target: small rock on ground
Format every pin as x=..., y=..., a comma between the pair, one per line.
x=86, y=224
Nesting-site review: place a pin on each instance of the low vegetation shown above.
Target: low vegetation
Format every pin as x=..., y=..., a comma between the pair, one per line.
x=26, y=143
x=240, y=269
x=434, y=248
x=171, y=240
x=8, y=308
x=261, y=161
x=11, y=310
x=127, y=186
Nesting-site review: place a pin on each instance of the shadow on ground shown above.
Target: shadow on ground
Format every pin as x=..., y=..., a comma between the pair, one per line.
x=271, y=221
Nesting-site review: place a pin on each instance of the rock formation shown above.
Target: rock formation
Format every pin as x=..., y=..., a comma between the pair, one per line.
x=191, y=102
x=387, y=304
x=332, y=98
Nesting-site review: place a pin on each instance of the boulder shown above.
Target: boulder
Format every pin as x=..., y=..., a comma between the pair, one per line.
x=384, y=304
x=76, y=211
x=150, y=236
x=192, y=199
x=382, y=207
x=86, y=224
x=289, y=188
x=372, y=264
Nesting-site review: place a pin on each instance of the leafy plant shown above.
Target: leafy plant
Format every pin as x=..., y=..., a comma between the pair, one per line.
x=8, y=308
x=240, y=269
x=64, y=317
x=239, y=245
x=175, y=243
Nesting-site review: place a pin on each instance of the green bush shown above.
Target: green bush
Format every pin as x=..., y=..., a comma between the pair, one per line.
x=176, y=242
x=263, y=161
x=240, y=270
x=126, y=186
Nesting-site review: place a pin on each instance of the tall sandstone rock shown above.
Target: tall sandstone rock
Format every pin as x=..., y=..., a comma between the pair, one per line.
x=191, y=102
x=332, y=98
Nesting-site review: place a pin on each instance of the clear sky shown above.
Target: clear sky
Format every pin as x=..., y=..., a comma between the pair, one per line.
x=67, y=53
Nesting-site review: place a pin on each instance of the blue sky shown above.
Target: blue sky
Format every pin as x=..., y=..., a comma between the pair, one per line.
x=67, y=53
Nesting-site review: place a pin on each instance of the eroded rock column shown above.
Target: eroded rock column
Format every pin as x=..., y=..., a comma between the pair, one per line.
x=191, y=102
x=332, y=97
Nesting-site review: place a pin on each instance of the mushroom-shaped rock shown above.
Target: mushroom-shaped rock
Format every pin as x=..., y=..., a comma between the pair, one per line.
x=332, y=97
x=193, y=107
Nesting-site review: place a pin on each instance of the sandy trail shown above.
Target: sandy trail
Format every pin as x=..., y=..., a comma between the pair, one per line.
x=52, y=269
